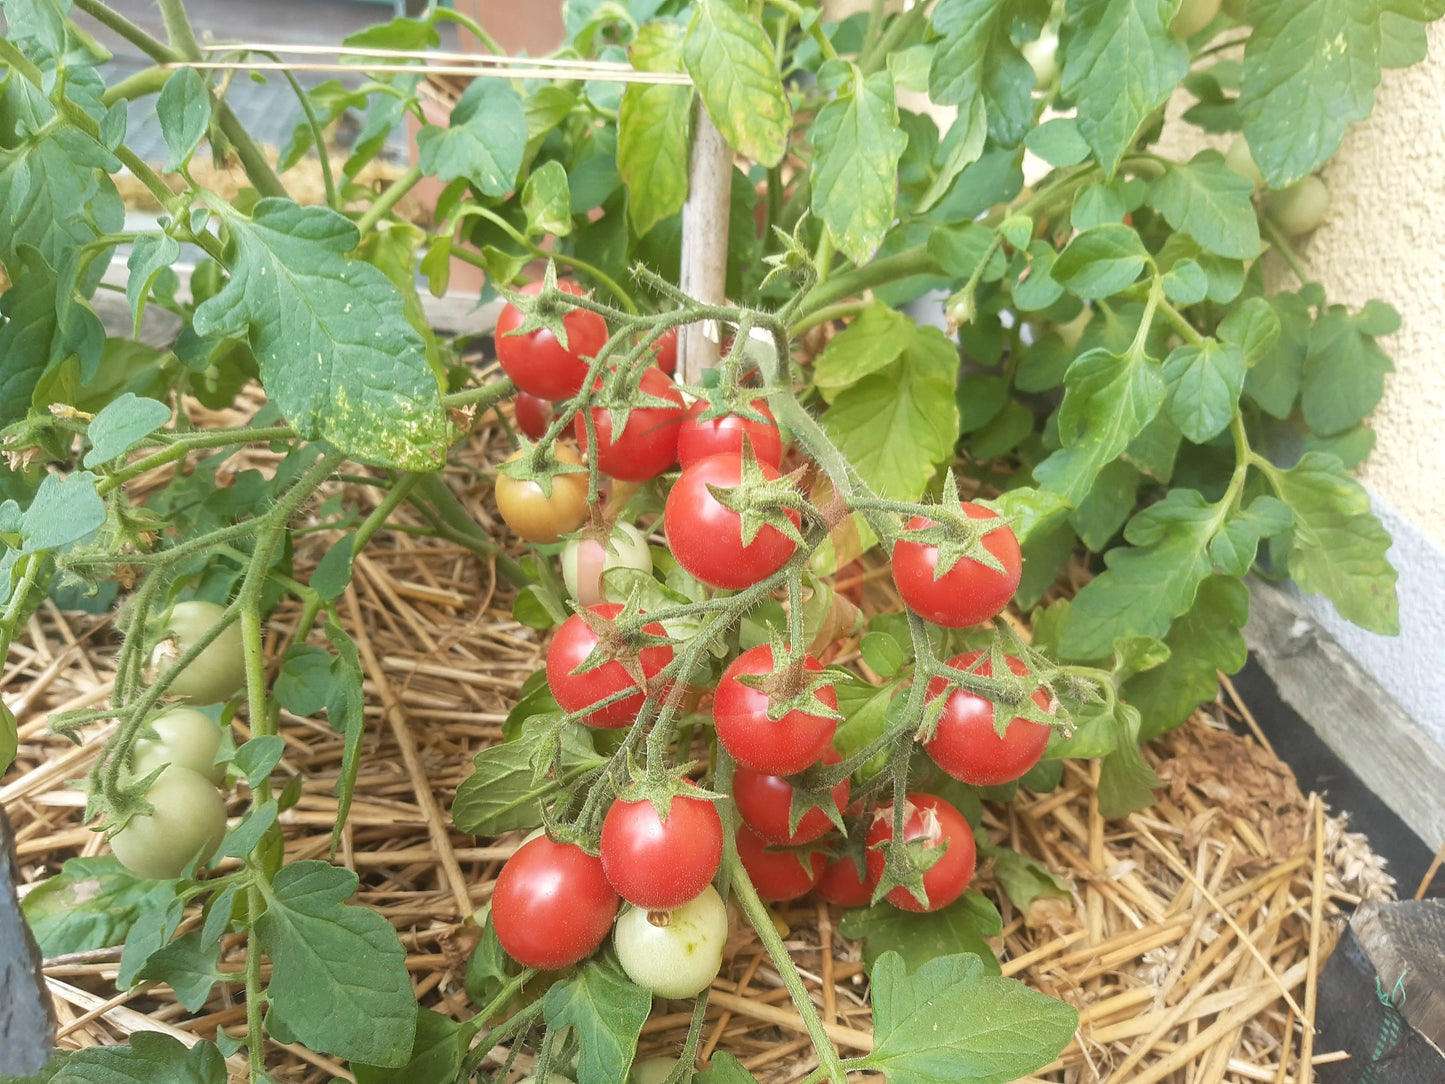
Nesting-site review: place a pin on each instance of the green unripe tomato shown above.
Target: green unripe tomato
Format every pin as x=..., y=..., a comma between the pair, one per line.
x=673, y=953
x=585, y=560
x=1235, y=10
x=1300, y=207
x=188, y=821
x=651, y=1070
x=219, y=671
x=183, y=737
x=1192, y=17
x=1042, y=55
x=1241, y=161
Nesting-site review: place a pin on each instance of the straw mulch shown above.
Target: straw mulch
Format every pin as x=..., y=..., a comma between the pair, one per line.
x=1190, y=943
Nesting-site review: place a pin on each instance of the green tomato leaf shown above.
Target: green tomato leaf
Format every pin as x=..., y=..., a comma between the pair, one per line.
x=1103, y=511
x=1101, y=261
x=437, y=1052
x=1037, y=288
x=1337, y=546
x=149, y=1058
x=1109, y=399
x=962, y=146
x=483, y=141
x=1343, y=378
x=1022, y=878
x=858, y=144
x=723, y=1068
x=977, y=62
x=258, y=757
x=1058, y=142
x=654, y=130
x=55, y=190
x=950, y=1020
x=607, y=1009
x=1202, y=642
x=346, y=712
x=1233, y=548
x=1147, y=583
x=66, y=510
x=1253, y=327
x=333, y=572
x=92, y=903
x=303, y=687
x=546, y=200
x=1210, y=202
x=730, y=58
x=336, y=352
x=895, y=426
x=1096, y=205
x=121, y=424
x=184, y=109
x=9, y=738
x=1274, y=379
x=189, y=966
x=1186, y=283
x=339, y=982
x=1310, y=68
x=962, y=926
x=1204, y=386
x=33, y=338
x=151, y=254
x=1121, y=63
x=502, y=793
x=1126, y=782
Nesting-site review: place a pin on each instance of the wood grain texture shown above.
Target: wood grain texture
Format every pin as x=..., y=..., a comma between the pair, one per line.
x=1349, y=710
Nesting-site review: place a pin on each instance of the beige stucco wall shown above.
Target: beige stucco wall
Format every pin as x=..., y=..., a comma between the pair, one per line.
x=1385, y=238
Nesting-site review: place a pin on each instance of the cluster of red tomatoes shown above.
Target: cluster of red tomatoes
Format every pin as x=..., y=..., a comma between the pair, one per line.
x=659, y=852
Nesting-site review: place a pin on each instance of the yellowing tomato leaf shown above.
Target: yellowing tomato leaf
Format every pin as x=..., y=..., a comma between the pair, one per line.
x=730, y=59
x=330, y=334
x=654, y=130
x=857, y=144
x=1121, y=63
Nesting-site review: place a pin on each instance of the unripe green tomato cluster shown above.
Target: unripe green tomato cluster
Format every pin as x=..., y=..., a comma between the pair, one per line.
x=218, y=672
x=1192, y=17
x=182, y=737
x=1298, y=208
x=673, y=953
x=187, y=824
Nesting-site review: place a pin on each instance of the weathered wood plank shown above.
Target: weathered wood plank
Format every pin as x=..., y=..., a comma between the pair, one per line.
x=1349, y=710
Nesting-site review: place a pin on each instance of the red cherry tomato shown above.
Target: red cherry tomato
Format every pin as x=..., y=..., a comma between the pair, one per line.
x=937, y=824
x=660, y=864
x=572, y=644
x=648, y=444
x=778, y=874
x=724, y=436
x=666, y=347
x=842, y=884
x=773, y=747
x=532, y=415
x=536, y=361
x=766, y=803
x=967, y=746
x=552, y=905
x=969, y=593
x=706, y=538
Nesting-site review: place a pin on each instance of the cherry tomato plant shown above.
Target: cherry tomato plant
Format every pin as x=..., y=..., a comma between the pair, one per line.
x=716, y=726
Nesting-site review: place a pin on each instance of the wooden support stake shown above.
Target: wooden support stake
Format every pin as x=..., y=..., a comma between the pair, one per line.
x=703, y=274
